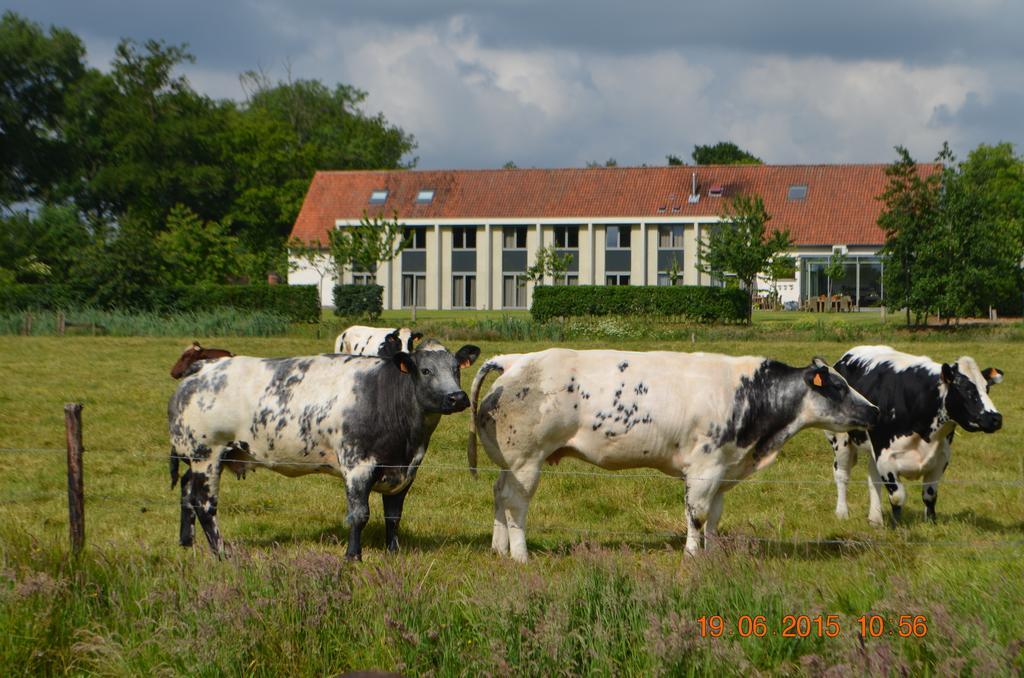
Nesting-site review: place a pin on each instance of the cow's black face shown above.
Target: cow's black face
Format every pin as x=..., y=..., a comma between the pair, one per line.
x=838, y=407
x=436, y=375
x=967, y=401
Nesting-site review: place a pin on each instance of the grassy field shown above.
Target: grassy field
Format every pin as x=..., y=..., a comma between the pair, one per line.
x=608, y=590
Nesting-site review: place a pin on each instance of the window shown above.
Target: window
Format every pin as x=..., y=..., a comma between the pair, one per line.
x=464, y=238
x=378, y=197
x=797, y=192
x=513, y=291
x=616, y=279
x=568, y=279
x=670, y=237
x=414, y=290
x=716, y=191
x=664, y=280
x=425, y=196
x=463, y=291
x=617, y=237
x=567, y=237
x=514, y=237
x=363, y=279
x=417, y=237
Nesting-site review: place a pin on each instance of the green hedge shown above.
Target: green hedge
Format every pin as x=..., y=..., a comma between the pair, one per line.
x=298, y=303
x=357, y=300
x=704, y=304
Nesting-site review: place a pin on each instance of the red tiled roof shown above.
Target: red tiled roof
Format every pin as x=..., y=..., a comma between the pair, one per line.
x=840, y=207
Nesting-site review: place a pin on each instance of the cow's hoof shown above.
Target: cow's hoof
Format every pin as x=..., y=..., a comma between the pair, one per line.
x=843, y=514
x=519, y=557
x=354, y=557
x=876, y=522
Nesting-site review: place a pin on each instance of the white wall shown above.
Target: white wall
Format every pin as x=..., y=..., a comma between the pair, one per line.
x=301, y=273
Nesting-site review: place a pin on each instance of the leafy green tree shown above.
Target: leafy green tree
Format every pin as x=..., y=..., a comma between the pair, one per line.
x=549, y=262
x=44, y=246
x=834, y=270
x=287, y=131
x=674, y=160
x=36, y=69
x=369, y=243
x=145, y=141
x=196, y=252
x=782, y=267
x=742, y=244
x=723, y=153
x=122, y=271
x=908, y=219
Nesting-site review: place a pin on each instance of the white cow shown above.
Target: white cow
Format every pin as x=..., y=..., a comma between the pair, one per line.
x=363, y=340
x=709, y=419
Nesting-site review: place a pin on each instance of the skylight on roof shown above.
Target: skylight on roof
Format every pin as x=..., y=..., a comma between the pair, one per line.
x=797, y=192
x=425, y=196
x=716, y=191
x=378, y=197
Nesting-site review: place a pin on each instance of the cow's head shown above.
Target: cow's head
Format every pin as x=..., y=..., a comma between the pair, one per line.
x=832, y=404
x=435, y=373
x=967, y=401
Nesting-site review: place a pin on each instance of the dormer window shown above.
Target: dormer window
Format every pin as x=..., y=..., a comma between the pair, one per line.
x=425, y=196
x=378, y=197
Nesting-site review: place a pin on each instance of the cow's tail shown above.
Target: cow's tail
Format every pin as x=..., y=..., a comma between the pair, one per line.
x=173, y=464
x=496, y=364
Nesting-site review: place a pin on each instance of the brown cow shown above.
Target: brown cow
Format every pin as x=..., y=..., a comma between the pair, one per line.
x=194, y=353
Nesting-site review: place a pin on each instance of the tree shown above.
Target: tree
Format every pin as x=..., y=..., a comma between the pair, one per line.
x=742, y=244
x=674, y=160
x=43, y=247
x=284, y=133
x=36, y=70
x=369, y=243
x=782, y=267
x=835, y=269
x=195, y=252
x=548, y=261
x=908, y=218
x=610, y=162
x=674, y=271
x=315, y=257
x=723, y=153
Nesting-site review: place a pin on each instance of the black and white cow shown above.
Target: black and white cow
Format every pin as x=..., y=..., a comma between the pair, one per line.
x=709, y=419
x=363, y=340
x=921, y=403
x=366, y=419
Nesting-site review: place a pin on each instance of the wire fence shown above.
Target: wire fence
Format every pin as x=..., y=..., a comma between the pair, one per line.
x=544, y=472
x=479, y=529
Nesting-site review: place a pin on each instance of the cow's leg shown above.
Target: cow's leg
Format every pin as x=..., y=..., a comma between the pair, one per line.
x=187, y=533
x=499, y=538
x=891, y=480
x=874, y=493
x=357, y=491
x=700, y=495
x=203, y=497
x=845, y=458
x=930, y=488
x=392, y=515
x=714, y=515
x=516, y=492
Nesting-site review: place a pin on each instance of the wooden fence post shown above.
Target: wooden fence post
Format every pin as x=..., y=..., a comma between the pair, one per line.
x=76, y=482
x=60, y=323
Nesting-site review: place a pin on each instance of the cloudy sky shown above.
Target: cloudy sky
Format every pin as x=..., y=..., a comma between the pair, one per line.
x=558, y=84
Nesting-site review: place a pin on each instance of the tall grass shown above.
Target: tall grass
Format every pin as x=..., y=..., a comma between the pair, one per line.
x=220, y=322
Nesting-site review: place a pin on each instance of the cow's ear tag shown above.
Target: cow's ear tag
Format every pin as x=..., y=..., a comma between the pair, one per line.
x=817, y=380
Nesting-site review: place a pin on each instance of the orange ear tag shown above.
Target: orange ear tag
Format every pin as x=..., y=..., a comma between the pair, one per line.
x=817, y=380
